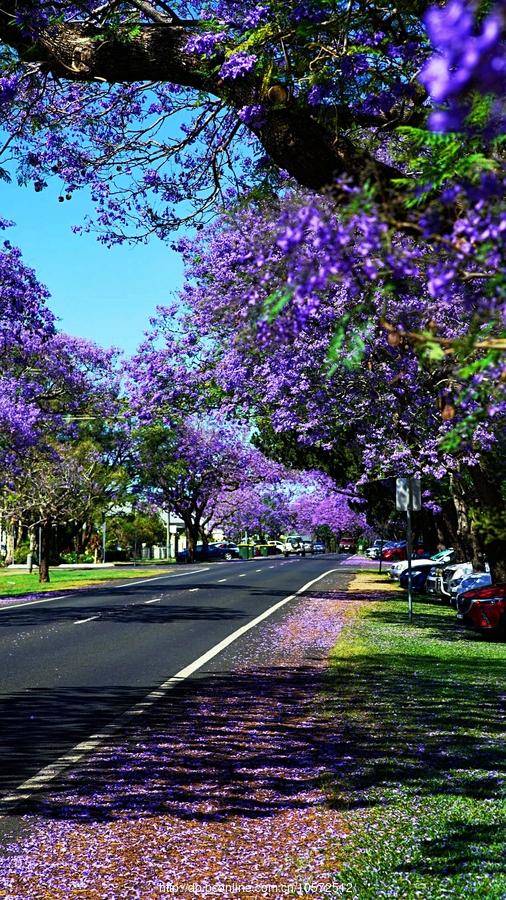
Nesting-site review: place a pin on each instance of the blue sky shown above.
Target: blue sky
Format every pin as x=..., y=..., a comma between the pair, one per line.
x=99, y=293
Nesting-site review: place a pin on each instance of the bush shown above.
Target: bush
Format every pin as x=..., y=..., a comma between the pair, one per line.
x=21, y=552
x=72, y=556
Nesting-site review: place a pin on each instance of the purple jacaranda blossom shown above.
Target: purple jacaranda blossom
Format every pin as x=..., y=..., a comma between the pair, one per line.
x=254, y=115
x=469, y=57
x=237, y=65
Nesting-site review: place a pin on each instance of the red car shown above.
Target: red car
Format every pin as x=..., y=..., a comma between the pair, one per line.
x=346, y=544
x=484, y=609
x=398, y=553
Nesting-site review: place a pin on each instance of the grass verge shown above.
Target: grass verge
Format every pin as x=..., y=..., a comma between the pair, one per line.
x=14, y=584
x=418, y=770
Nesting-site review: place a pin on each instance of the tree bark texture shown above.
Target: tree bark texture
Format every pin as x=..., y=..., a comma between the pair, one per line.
x=44, y=551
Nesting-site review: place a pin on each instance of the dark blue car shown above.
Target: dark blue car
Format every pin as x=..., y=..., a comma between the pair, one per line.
x=418, y=579
x=221, y=550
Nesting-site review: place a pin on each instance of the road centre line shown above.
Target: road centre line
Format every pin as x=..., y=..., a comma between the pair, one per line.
x=98, y=586
x=82, y=621
x=221, y=580
x=53, y=770
x=193, y=589
x=243, y=575
x=156, y=600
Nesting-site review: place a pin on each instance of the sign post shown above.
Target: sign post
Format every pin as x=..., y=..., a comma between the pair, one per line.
x=408, y=497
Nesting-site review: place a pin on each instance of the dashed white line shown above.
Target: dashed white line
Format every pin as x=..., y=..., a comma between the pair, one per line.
x=115, y=587
x=243, y=575
x=221, y=580
x=82, y=621
x=156, y=600
x=193, y=589
x=258, y=570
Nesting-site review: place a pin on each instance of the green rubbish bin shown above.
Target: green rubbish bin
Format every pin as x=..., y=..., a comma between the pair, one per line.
x=246, y=551
x=264, y=550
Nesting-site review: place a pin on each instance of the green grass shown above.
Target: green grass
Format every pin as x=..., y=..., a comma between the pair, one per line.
x=418, y=771
x=14, y=584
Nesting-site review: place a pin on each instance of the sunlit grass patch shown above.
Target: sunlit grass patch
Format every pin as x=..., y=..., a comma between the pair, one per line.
x=15, y=584
x=418, y=771
x=371, y=581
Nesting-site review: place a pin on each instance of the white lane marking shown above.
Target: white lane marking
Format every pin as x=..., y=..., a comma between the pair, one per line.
x=32, y=602
x=193, y=589
x=50, y=772
x=272, y=567
x=82, y=621
x=221, y=580
x=243, y=575
x=258, y=570
x=158, y=577
x=98, y=586
x=156, y=600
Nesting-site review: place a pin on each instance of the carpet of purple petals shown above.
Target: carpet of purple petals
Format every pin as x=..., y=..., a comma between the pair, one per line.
x=357, y=561
x=220, y=785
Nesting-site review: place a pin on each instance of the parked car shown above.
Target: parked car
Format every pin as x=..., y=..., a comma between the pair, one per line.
x=444, y=557
x=398, y=551
x=217, y=550
x=452, y=576
x=418, y=579
x=319, y=547
x=484, y=609
x=374, y=551
x=470, y=583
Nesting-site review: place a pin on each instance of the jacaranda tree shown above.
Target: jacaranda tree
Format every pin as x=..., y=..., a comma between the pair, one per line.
x=391, y=121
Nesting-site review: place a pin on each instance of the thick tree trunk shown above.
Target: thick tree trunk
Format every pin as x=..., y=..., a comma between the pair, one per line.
x=490, y=509
x=192, y=536
x=44, y=551
x=467, y=539
x=11, y=541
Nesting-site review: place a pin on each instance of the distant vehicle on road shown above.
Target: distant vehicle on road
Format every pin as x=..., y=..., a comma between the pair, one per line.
x=297, y=544
x=346, y=544
x=319, y=547
x=219, y=550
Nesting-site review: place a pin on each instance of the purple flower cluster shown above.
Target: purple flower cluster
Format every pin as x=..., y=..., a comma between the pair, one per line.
x=205, y=44
x=254, y=115
x=237, y=65
x=468, y=58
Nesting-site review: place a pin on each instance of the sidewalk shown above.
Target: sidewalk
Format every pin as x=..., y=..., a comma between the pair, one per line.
x=216, y=792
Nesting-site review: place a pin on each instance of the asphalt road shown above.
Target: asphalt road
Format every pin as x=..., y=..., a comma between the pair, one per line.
x=70, y=666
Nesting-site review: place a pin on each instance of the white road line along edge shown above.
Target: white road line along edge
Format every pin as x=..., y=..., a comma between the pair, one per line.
x=53, y=770
x=99, y=585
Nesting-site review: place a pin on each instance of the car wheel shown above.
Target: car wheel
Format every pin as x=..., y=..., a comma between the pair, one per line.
x=228, y=556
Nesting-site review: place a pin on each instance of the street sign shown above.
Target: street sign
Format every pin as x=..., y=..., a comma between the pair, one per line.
x=403, y=488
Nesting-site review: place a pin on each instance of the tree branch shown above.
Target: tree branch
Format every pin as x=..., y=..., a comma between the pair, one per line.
x=292, y=135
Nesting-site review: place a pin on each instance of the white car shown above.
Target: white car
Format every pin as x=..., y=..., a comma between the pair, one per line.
x=297, y=544
x=443, y=558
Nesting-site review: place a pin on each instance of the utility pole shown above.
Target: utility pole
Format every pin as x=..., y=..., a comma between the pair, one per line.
x=408, y=497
